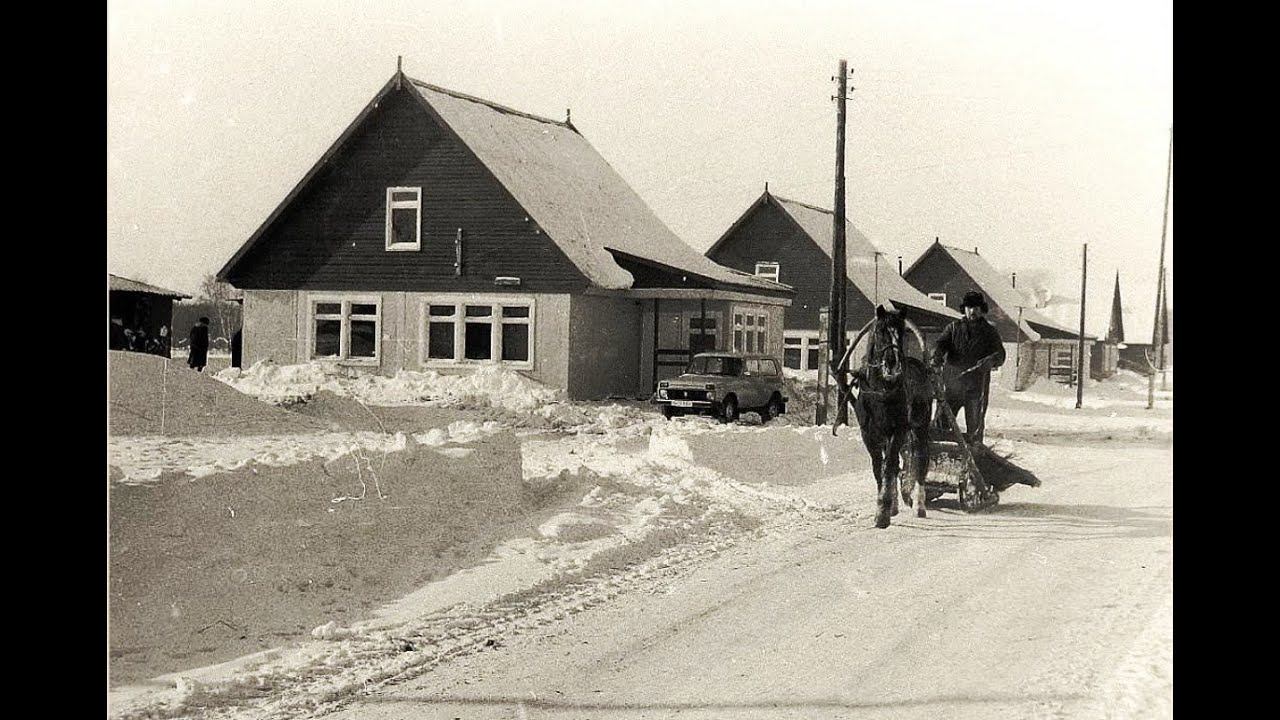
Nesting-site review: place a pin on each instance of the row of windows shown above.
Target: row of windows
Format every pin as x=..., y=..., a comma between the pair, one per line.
x=453, y=332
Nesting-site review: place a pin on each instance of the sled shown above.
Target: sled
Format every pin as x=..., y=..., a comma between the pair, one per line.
x=952, y=467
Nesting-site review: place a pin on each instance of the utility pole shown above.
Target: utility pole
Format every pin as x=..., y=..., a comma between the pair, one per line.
x=1082, y=370
x=1157, y=332
x=839, y=271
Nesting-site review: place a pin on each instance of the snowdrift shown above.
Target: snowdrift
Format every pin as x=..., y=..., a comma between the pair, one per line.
x=482, y=387
x=152, y=395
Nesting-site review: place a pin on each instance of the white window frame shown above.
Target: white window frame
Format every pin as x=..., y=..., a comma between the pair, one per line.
x=809, y=340
x=415, y=205
x=459, y=320
x=740, y=329
x=1054, y=361
x=345, y=316
x=768, y=270
x=940, y=298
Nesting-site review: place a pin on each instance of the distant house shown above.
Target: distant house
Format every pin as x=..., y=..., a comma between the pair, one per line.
x=446, y=232
x=1139, y=353
x=790, y=242
x=1037, y=345
x=139, y=316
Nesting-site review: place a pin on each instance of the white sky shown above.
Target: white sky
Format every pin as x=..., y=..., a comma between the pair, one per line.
x=1024, y=128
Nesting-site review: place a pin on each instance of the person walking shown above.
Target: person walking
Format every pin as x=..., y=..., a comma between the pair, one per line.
x=198, y=352
x=970, y=349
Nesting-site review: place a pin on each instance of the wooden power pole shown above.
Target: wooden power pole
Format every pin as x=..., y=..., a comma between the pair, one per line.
x=839, y=271
x=1158, y=330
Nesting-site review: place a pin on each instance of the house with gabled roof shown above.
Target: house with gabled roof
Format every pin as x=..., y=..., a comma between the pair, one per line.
x=791, y=242
x=1037, y=345
x=446, y=232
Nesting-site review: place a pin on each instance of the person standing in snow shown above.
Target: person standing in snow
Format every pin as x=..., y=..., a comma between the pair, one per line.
x=198, y=353
x=970, y=348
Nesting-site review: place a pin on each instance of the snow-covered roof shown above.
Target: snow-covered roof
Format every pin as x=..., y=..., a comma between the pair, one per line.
x=1000, y=290
x=115, y=283
x=581, y=203
x=861, y=259
x=573, y=194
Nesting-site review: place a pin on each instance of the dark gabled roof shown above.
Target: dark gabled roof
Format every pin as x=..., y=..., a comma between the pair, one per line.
x=861, y=256
x=999, y=290
x=559, y=179
x=115, y=283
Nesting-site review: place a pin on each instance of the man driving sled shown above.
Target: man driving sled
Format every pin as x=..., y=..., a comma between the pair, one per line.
x=970, y=348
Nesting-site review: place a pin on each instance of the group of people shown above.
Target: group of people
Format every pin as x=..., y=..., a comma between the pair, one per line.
x=137, y=339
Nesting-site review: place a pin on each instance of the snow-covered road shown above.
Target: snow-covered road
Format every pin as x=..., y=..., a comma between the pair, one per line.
x=1055, y=605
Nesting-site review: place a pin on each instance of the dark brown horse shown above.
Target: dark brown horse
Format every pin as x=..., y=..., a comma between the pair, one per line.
x=893, y=408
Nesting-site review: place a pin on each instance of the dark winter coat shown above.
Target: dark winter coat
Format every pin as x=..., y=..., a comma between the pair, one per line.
x=965, y=343
x=198, y=356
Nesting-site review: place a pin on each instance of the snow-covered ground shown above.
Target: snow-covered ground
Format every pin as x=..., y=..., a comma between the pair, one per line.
x=650, y=505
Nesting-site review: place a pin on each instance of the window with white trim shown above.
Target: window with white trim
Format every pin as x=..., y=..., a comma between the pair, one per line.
x=404, y=218
x=345, y=328
x=478, y=331
x=1062, y=357
x=940, y=298
x=768, y=270
x=750, y=331
x=800, y=349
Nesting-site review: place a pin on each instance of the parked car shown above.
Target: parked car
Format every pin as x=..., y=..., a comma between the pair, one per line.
x=724, y=384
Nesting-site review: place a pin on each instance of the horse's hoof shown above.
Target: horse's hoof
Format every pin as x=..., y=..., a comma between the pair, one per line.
x=920, y=512
x=882, y=521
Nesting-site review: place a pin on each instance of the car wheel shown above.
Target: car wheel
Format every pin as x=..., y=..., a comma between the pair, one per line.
x=668, y=412
x=729, y=410
x=772, y=410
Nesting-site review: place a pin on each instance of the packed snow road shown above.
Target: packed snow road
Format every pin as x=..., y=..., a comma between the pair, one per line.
x=1055, y=604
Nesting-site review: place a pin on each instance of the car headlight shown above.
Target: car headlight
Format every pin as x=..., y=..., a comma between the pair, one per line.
x=710, y=386
x=662, y=393
x=663, y=384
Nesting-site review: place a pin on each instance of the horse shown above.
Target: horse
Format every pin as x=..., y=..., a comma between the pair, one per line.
x=893, y=407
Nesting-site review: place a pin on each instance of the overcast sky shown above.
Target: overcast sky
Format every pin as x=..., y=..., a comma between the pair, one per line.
x=1023, y=128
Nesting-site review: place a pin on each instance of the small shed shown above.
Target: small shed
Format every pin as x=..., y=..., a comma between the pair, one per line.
x=140, y=316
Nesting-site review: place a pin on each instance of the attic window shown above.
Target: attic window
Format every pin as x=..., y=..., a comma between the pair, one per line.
x=404, y=218
x=767, y=270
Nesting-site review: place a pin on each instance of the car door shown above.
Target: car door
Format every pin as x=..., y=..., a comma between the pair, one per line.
x=750, y=396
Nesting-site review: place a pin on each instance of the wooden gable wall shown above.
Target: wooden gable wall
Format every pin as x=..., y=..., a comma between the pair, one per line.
x=332, y=236
x=768, y=234
x=937, y=272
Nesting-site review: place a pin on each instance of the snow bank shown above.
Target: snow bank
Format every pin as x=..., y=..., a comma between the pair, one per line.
x=482, y=387
x=144, y=459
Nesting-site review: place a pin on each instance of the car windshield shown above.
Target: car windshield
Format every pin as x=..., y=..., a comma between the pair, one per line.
x=716, y=366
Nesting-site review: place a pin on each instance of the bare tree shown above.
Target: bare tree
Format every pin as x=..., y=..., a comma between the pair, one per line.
x=220, y=296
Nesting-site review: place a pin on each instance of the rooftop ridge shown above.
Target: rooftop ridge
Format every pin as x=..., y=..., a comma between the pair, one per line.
x=802, y=204
x=488, y=103
x=957, y=249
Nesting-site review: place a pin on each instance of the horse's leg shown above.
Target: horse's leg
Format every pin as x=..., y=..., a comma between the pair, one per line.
x=889, y=488
x=920, y=464
x=875, y=448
